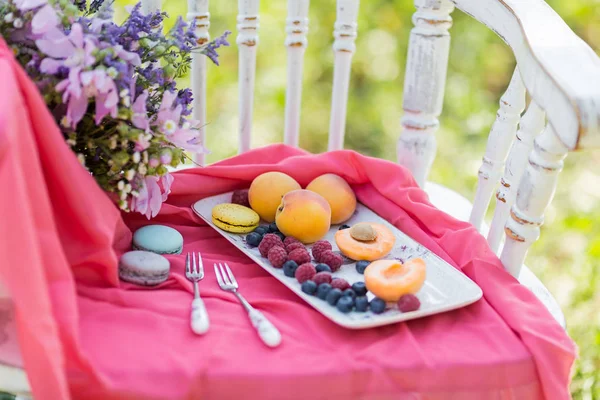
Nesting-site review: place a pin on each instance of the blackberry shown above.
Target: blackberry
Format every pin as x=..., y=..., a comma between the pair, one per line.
x=361, y=303
x=323, y=268
x=309, y=287
x=345, y=304
x=253, y=239
x=377, y=305
x=361, y=266
x=323, y=290
x=359, y=288
x=333, y=296
x=289, y=268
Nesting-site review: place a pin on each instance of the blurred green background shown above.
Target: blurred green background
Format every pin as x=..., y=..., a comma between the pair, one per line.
x=567, y=255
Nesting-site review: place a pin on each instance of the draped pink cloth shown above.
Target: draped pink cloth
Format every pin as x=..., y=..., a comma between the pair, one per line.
x=85, y=335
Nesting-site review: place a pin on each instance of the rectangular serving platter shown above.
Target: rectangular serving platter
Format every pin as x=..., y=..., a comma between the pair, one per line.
x=445, y=288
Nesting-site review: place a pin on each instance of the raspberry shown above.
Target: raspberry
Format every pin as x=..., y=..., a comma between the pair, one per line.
x=319, y=247
x=277, y=256
x=293, y=246
x=333, y=260
x=339, y=283
x=322, y=277
x=305, y=272
x=301, y=256
x=240, y=197
x=268, y=241
x=408, y=302
x=289, y=240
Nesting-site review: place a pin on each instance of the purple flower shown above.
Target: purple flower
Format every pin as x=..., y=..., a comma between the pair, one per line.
x=210, y=50
x=151, y=195
x=99, y=85
x=26, y=5
x=44, y=20
x=184, y=98
x=140, y=115
x=70, y=51
x=73, y=94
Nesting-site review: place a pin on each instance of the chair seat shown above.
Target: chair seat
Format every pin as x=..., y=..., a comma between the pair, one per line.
x=459, y=207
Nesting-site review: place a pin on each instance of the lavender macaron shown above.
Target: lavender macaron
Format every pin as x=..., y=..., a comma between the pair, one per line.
x=143, y=268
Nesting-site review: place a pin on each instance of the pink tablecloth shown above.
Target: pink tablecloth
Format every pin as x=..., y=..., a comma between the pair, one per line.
x=86, y=336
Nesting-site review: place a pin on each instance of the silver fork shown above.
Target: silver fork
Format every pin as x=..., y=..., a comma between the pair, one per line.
x=266, y=330
x=199, y=318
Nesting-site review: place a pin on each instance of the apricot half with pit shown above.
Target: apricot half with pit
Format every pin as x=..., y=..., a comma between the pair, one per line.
x=391, y=279
x=368, y=250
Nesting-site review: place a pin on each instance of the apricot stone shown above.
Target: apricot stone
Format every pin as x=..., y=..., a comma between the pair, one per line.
x=266, y=191
x=390, y=279
x=304, y=215
x=338, y=194
x=370, y=250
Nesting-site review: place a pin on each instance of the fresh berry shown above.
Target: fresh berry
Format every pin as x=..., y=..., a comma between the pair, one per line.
x=408, y=302
x=301, y=256
x=341, y=228
x=289, y=268
x=290, y=240
x=377, y=305
x=277, y=256
x=330, y=258
x=268, y=241
x=349, y=292
x=319, y=247
x=361, y=266
x=333, y=296
x=261, y=230
x=322, y=290
x=323, y=268
x=340, y=283
x=240, y=197
x=361, y=303
x=293, y=246
x=305, y=272
x=359, y=288
x=309, y=287
x=281, y=236
x=273, y=227
x=322, y=277
x=253, y=239
x=345, y=304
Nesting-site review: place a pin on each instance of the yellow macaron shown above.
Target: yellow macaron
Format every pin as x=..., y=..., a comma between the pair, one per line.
x=235, y=218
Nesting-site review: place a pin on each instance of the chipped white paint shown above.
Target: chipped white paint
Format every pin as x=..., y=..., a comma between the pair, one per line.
x=531, y=125
x=501, y=136
x=345, y=31
x=296, y=42
x=247, y=41
x=536, y=190
x=424, y=83
x=198, y=12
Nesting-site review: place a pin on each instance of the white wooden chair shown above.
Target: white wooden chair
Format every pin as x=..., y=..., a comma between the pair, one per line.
x=525, y=152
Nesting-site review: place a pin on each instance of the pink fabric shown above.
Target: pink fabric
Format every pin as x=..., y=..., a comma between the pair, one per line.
x=85, y=335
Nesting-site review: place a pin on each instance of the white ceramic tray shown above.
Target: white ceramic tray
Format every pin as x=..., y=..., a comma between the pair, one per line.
x=445, y=288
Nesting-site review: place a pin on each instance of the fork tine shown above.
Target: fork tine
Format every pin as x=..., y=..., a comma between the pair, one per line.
x=218, y=274
x=200, y=266
x=231, y=277
x=194, y=262
x=187, y=263
x=224, y=275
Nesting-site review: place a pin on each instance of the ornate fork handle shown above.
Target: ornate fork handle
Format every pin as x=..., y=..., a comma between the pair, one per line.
x=199, y=317
x=265, y=329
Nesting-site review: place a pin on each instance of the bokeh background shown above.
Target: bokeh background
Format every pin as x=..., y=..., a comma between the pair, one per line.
x=566, y=257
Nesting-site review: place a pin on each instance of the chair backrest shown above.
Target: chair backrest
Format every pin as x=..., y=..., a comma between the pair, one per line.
x=556, y=68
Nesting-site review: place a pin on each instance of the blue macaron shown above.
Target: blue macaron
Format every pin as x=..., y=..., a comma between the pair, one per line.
x=158, y=239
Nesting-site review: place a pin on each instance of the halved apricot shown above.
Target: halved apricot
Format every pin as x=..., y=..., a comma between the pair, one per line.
x=366, y=250
x=390, y=279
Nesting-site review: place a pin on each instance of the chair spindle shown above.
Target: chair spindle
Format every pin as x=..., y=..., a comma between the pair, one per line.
x=296, y=29
x=502, y=135
x=535, y=192
x=532, y=123
x=150, y=6
x=247, y=40
x=424, y=82
x=345, y=31
x=198, y=12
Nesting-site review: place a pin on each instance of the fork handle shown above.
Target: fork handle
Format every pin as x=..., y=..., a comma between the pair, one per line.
x=266, y=330
x=199, y=319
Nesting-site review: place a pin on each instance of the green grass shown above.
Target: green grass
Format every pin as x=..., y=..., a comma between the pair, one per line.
x=567, y=255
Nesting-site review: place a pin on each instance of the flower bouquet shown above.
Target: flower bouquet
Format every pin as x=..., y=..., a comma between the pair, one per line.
x=111, y=88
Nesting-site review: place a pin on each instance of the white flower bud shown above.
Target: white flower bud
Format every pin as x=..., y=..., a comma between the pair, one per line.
x=65, y=122
x=8, y=18
x=128, y=188
x=135, y=193
x=123, y=195
x=113, y=143
x=121, y=185
x=136, y=157
x=18, y=23
x=129, y=175
x=142, y=169
x=81, y=159
x=126, y=101
x=112, y=72
x=145, y=157
x=71, y=142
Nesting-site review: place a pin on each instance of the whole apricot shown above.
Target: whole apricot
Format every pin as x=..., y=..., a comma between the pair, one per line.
x=338, y=194
x=266, y=191
x=304, y=215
